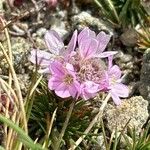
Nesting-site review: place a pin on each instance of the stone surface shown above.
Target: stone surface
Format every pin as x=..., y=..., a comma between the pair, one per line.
x=144, y=87
x=20, y=48
x=129, y=38
x=134, y=108
x=129, y=64
x=100, y=145
x=86, y=19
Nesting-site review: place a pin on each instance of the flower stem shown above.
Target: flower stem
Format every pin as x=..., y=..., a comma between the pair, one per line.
x=65, y=125
x=101, y=109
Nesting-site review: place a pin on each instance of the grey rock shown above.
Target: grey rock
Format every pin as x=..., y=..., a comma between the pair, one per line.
x=129, y=65
x=144, y=87
x=20, y=48
x=124, y=58
x=129, y=38
x=2, y=6
x=61, y=28
x=40, y=43
x=134, y=108
x=24, y=81
x=86, y=19
x=100, y=145
x=41, y=31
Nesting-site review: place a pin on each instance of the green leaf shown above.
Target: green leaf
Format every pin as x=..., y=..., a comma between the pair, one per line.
x=23, y=137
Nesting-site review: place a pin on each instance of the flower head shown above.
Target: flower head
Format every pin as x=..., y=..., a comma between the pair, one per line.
x=113, y=83
x=63, y=80
x=78, y=70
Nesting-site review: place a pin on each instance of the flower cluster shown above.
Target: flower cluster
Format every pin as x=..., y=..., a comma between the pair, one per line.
x=80, y=70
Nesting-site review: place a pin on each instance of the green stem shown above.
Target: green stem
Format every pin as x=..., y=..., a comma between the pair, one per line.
x=65, y=125
x=93, y=122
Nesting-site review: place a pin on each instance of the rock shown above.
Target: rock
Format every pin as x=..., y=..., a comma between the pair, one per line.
x=144, y=87
x=40, y=32
x=24, y=81
x=129, y=65
x=129, y=38
x=100, y=145
x=134, y=108
x=20, y=48
x=40, y=43
x=124, y=58
x=2, y=6
x=60, y=27
x=86, y=19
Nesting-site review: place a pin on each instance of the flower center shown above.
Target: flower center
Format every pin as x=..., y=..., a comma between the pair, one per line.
x=68, y=79
x=88, y=70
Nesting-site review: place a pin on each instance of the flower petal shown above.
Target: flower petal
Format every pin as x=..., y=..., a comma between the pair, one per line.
x=89, y=89
x=115, y=98
x=42, y=58
x=87, y=48
x=72, y=44
x=115, y=72
x=54, y=82
x=120, y=89
x=54, y=42
x=106, y=54
x=57, y=68
x=84, y=34
x=87, y=96
x=103, y=40
x=64, y=93
x=74, y=89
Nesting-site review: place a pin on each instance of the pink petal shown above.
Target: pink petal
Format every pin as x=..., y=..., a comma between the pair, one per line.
x=57, y=68
x=74, y=89
x=85, y=33
x=106, y=54
x=72, y=44
x=120, y=89
x=103, y=40
x=43, y=58
x=110, y=62
x=64, y=93
x=104, y=83
x=54, y=82
x=115, y=72
x=91, y=87
x=87, y=48
x=115, y=98
x=69, y=67
x=53, y=42
x=87, y=96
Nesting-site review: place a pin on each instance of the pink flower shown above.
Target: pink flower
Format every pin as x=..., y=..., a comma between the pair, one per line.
x=113, y=83
x=79, y=71
x=91, y=45
x=63, y=80
x=89, y=90
x=56, y=49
